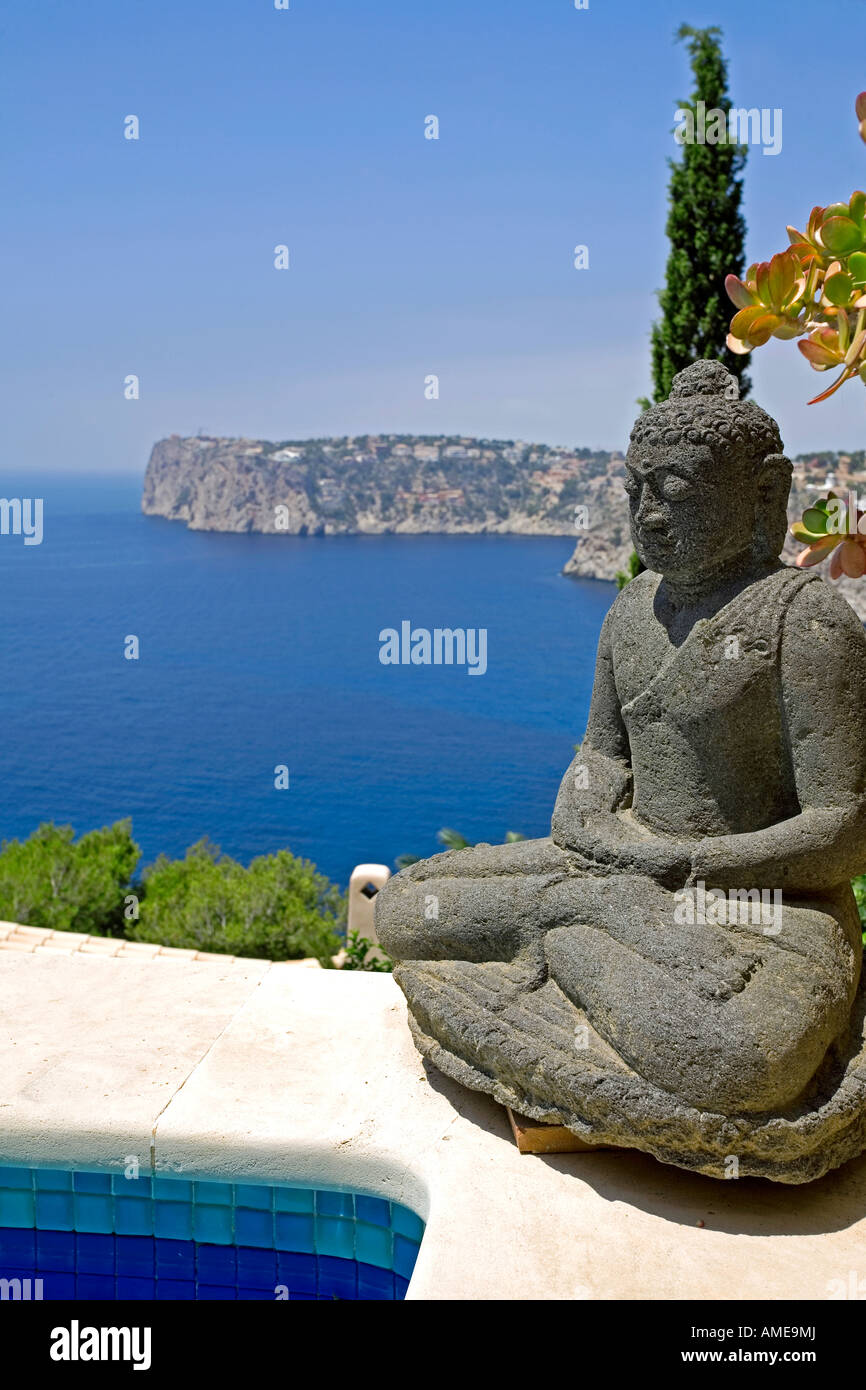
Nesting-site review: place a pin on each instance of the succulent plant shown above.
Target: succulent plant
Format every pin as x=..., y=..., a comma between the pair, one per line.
x=829, y=530
x=815, y=291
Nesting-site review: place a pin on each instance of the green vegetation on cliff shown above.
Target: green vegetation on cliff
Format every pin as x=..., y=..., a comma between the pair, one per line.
x=372, y=484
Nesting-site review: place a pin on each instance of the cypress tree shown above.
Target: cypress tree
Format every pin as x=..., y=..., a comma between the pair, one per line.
x=706, y=231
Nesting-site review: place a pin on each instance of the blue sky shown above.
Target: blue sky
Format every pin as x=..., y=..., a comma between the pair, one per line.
x=408, y=256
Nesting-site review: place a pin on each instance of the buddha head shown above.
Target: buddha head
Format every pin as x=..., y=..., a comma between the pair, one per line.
x=707, y=479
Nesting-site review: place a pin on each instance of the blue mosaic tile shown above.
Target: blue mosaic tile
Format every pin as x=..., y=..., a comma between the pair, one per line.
x=405, y=1255
x=136, y=1255
x=123, y=1186
x=212, y=1225
x=405, y=1223
x=258, y=1196
x=297, y=1272
x=375, y=1210
x=133, y=1217
x=292, y=1231
x=18, y=1246
x=58, y=1286
x=216, y=1291
x=95, y=1254
x=55, y=1251
x=335, y=1237
x=175, y=1289
x=130, y=1287
x=172, y=1189
x=92, y=1183
x=95, y=1286
x=337, y=1278
x=400, y=1286
x=16, y=1177
x=375, y=1284
x=172, y=1220
x=254, y=1227
x=17, y=1208
x=214, y=1194
x=93, y=1213
x=52, y=1179
x=217, y=1264
x=297, y=1199
x=257, y=1268
x=253, y=1295
x=374, y=1245
x=335, y=1204
x=55, y=1210
x=175, y=1259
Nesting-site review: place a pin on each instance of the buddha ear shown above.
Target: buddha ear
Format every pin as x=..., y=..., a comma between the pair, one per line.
x=774, y=474
x=777, y=464
x=772, y=488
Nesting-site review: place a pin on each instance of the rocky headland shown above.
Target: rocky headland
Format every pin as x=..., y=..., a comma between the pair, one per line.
x=409, y=484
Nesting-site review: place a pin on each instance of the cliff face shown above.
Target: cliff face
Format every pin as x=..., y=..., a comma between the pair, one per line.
x=222, y=485
x=371, y=485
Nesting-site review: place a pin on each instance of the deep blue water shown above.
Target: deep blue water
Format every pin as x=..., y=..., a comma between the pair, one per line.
x=258, y=651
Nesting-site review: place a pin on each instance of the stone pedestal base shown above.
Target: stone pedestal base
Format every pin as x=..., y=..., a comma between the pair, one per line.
x=534, y=1052
x=534, y=1137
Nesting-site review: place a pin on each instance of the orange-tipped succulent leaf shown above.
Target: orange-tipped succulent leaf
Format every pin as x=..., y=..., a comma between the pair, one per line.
x=783, y=271
x=852, y=559
x=817, y=551
x=822, y=348
x=755, y=324
x=737, y=345
x=738, y=293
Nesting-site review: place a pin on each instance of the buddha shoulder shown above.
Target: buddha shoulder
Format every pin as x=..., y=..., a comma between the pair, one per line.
x=818, y=616
x=635, y=601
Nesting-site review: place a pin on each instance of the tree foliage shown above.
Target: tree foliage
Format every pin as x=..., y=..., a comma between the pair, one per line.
x=280, y=908
x=50, y=881
x=706, y=231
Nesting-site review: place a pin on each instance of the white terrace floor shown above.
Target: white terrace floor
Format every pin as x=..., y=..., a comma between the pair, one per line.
x=216, y=1066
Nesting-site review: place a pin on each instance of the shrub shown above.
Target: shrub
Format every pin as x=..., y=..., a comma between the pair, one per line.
x=364, y=954
x=279, y=908
x=49, y=881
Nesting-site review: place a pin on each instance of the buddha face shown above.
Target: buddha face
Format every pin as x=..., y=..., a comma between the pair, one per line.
x=690, y=507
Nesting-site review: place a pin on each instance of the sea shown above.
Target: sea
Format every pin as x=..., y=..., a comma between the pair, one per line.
x=253, y=708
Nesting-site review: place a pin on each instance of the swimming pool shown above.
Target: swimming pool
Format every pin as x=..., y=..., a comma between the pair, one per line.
x=102, y=1235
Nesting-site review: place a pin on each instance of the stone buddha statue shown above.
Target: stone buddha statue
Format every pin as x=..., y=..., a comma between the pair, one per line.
x=677, y=967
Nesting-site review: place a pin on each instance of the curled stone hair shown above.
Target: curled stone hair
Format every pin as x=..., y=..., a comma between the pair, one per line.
x=704, y=407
